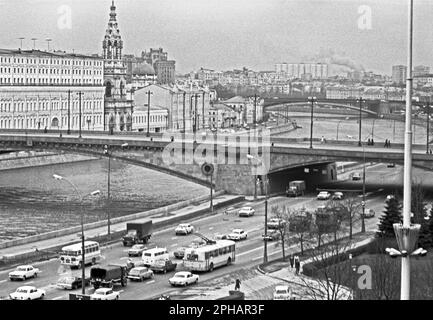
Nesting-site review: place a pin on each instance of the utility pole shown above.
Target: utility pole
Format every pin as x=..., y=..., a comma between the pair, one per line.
x=265, y=249
x=363, y=194
x=184, y=97
x=360, y=100
x=312, y=100
x=108, y=153
x=149, y=93
x=255, y=111
x=203, y=120
x=79, y=117
x=69, y=111
x=428, y=125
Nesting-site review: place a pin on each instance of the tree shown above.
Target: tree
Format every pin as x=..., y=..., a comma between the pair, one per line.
x=391, y=215
x=300, y=226
x=420, y=216
x=283, y=214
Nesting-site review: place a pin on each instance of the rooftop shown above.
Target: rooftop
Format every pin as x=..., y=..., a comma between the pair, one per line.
x=53, y=54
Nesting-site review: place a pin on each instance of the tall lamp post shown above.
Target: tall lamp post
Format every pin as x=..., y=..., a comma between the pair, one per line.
x=312, y=100
x=363, y=193
x=79, y=113
x=149, y=93
x=83, y=254
x=107, y=152
x=360, y=100
x=428, y=126
x=338, y=126
x=265, y=245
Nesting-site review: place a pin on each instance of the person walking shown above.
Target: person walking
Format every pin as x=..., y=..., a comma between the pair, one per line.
x=372, y=141
x=238, y=285
x=291, y=259
x=386, y=143
x=297, y=264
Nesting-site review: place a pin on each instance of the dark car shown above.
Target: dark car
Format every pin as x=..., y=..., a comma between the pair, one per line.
x=179, y=253
x=163, y=266
x=272, y=235
x=71, y=282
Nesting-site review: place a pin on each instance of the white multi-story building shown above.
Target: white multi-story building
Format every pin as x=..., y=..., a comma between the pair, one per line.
x=158, y=119
x=40, y=89
x=296, y=70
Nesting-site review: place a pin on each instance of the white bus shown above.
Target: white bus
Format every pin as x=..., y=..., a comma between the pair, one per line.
x=71, y=255
x=210, y=256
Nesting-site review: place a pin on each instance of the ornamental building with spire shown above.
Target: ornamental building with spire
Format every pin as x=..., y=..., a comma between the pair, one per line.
x=118, y=106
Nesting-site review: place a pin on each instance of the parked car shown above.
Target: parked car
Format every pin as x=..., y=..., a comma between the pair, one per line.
x=246, y=212
x=276, y=223
x=72, y=282
x=24, y=272
x=282, y=293
x=183, y=278
x=338, y=196
x=163, y=266
x=356, y=176
x=237, y=234
x=220, y=236
x=27, y=293
x=140, y=273
x=184, y=228
x=179, y=252
x=272, y=235
x=369, y=213
x=391, y=165
x=323, y=195
x=137, y=250
x=105, y=294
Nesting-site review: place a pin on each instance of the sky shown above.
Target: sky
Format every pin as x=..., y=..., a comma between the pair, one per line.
x=228, y=34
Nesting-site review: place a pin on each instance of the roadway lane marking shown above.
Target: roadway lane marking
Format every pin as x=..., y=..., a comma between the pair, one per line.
x=1, y=281
x=173, y=238
x=30, y=282
x=57, y=298
x=256, y=258
x=124, y=258
x=249, y=251
x=174, y=245
x=210, y=228
x=255, y=229
x=151, y=281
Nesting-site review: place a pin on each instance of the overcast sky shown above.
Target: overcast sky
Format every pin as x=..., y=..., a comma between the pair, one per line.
x=227, y=34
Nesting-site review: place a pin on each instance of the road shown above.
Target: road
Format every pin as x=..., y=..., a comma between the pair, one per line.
x=248, y=252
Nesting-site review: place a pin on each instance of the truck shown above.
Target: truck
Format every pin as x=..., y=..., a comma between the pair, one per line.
x=296, y=188
x=108, y=276
x=137, y=233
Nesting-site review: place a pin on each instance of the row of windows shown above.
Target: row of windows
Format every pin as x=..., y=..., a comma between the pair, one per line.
x=50, y=71
x=45, y=105
x=154, y=118
x=22, y=81
x=220, y=251
x=41, y=122
x=52, y=61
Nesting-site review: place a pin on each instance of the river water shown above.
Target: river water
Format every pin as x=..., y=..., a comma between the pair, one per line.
x=33, y=202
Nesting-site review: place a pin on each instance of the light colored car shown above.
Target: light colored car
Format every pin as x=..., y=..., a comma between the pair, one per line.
x=27, y=293
x=323, y=195
x=140, y=273
x=369, y=213
x=237, y=234
x=105, y=294
x=282, y=293
x=71, y=282
x=183, y=278
x=137, y=250
x=272, y=235
x=338, y=196
x=179, y=253
x=246, y=212
x=356, y=176
x=220, y=236
x=184, y=228
x=276, y=223
x=24, y=272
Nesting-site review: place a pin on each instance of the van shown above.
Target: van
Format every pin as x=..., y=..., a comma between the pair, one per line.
x=150, y=256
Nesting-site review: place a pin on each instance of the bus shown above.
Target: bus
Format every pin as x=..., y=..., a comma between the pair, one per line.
x=72, y=256
x=209, y=256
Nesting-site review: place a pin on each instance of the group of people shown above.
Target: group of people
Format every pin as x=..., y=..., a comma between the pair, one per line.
x=387, y=143
x=294, y=261
x=370, y=142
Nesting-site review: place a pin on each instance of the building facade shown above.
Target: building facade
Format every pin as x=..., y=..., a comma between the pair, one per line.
x=165, y=69
x=245, y=108
x=296, y=70
x=52, y=90
x=399, y=74
x=158, y=119
x=118, y=105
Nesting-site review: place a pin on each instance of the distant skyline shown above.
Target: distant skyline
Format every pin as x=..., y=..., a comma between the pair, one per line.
x=229, y=34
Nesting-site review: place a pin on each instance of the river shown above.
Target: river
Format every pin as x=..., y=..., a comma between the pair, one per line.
x=33, y=202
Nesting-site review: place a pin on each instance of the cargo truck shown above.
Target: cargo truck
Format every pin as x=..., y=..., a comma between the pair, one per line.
x=296, y=188
x=137, y=233
x=108, y=276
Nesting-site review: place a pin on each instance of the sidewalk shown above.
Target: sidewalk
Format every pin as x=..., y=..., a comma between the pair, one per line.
x=159, y=221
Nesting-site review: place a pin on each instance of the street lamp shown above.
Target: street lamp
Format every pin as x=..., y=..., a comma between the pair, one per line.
x=338, y=126
x=360, y=100
x=312, y=100
x=94, y=193
x=107, y=152
x=265, y=248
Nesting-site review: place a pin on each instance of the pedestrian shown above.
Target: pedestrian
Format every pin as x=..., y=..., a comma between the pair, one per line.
x=389, y=143
x=291, y=259
x=386, y=143
x=238, y=285
x=430, y=151
x=297, y=264
x=372, y=141
x=322, y=140
x=45, y=130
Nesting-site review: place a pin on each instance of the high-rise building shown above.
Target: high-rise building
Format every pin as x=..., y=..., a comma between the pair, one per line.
x=421, y=70
x=297, y=70
x=52, y=90
x=118, y=106
x=399, y=74
x=165, y=69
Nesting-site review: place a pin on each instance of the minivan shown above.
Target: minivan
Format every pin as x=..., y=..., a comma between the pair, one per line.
x=150, y=256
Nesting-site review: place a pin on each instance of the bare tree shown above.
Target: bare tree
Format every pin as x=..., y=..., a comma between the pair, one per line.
x=282, y=214
x=330, y=271
x=300, y=226
x=346, y=210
